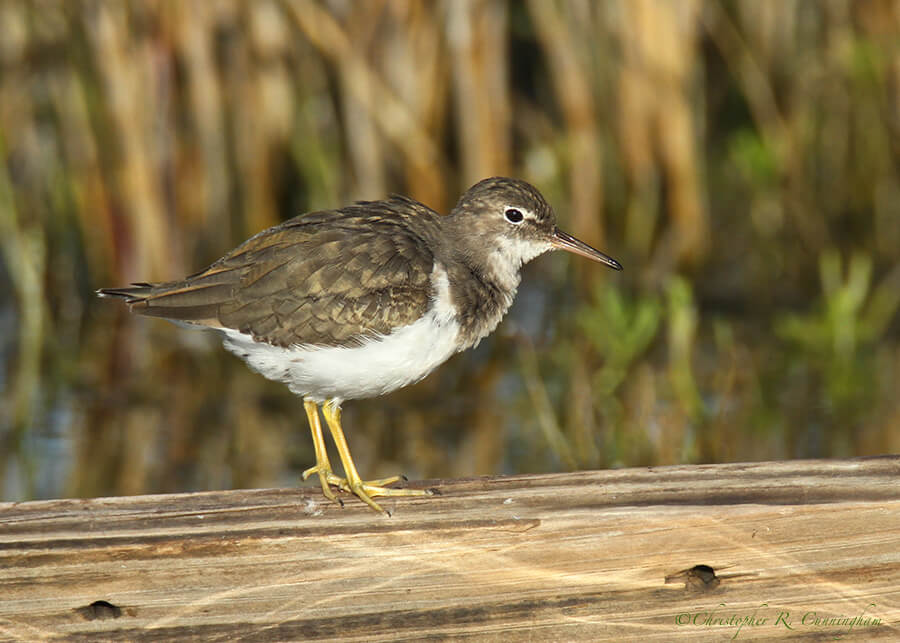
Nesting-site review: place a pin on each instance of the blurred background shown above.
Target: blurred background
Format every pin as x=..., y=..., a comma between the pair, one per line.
x=741, y=159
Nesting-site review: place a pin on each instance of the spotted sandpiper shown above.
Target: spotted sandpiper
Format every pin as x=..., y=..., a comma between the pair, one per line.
x=366, y=299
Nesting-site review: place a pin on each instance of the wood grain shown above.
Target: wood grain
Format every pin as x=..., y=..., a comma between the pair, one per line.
x=578, y=556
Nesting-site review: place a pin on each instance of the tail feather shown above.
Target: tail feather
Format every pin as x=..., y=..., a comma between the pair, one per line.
x=130, y=294
x=177, y=301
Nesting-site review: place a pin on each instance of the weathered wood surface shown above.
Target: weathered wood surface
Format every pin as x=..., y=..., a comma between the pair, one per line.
x=581, y=556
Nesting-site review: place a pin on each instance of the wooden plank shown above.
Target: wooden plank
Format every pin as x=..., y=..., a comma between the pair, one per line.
x=579, y=556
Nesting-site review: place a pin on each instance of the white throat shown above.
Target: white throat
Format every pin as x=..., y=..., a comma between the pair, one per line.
x=508, y=257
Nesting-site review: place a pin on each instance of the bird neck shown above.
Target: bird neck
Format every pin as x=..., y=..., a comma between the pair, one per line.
x=483, y=280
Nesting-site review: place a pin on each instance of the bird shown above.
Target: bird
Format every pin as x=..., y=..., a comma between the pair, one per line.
x=359, y=301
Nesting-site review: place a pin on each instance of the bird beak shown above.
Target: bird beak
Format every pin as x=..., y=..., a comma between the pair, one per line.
x=564, y=241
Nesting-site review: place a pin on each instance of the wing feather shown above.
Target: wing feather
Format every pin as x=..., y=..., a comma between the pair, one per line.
x=327, y=278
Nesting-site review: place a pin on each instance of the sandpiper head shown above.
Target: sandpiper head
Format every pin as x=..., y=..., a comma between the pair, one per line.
x=516, y=222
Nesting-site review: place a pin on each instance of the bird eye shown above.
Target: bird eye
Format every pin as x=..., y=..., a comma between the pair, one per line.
x=514, y=216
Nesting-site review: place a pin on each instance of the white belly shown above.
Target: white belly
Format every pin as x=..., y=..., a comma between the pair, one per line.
x=380, y=365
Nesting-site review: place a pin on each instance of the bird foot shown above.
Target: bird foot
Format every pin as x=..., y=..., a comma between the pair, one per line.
x=363, y=489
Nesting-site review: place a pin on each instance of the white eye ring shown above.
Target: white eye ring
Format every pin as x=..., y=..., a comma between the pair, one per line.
x=513, y=215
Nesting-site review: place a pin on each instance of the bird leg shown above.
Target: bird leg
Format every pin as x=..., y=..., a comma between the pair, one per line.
x=353, y=483
x=323, y=465
x=327, y=477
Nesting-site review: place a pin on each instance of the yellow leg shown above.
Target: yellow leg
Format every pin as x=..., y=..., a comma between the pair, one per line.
x=353, y=483
x=323, y=465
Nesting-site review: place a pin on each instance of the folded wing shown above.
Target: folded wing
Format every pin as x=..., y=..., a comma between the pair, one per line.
x=328, y=278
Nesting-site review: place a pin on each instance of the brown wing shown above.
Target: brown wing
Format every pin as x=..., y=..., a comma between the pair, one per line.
x=327, y=278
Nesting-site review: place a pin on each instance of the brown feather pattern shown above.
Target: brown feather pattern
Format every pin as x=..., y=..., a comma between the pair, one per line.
x=328, y=278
